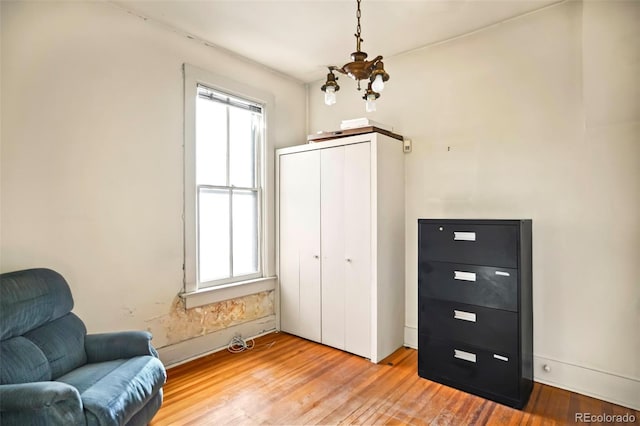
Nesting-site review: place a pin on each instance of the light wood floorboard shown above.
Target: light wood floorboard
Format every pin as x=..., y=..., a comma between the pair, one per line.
x=286, y=380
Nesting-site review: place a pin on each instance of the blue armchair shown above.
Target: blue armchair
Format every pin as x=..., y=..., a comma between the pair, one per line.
x=53, y=373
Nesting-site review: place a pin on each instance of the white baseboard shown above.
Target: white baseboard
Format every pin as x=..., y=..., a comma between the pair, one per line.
x=602, y=385
x=411, y=337
x=197, y=347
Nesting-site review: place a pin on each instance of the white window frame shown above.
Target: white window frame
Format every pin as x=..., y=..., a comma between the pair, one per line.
x=194, y=76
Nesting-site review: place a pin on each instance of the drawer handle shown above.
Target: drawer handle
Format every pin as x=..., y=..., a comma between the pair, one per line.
x=464, y=315
x=464, y=276
x=504, y=274
x=501, y=358
x=467, y=356
x=464, y=236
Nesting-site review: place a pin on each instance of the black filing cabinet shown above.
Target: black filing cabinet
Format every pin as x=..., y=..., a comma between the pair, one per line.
x=475, y=316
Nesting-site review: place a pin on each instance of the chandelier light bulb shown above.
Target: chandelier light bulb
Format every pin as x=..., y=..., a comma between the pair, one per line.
x=378, y=84
x=330, y=95
x=370, y=104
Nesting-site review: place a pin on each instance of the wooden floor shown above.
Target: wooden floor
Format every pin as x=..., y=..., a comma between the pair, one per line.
x=286, y=380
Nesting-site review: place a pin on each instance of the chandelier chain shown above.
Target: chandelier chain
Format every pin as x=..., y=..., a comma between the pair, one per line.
x=358, y=38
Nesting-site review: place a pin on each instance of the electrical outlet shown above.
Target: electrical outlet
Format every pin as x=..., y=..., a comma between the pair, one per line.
x=406, y=146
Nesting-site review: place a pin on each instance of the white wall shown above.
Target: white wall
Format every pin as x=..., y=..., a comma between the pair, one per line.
x=539, y=118
x=92, y=160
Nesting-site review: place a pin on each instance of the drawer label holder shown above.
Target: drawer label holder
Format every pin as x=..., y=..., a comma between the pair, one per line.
x=464, y=236
x=464, y=276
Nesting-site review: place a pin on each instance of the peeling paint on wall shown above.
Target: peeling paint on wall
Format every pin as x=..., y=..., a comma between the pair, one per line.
x=182, y=324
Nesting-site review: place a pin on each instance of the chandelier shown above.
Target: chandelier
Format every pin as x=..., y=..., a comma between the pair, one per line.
x=358, y=69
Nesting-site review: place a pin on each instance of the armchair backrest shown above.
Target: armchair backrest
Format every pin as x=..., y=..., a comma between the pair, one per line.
x=40, y=339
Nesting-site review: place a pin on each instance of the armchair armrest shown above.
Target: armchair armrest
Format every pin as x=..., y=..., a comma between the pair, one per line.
x=52, y=403
x=125, y=344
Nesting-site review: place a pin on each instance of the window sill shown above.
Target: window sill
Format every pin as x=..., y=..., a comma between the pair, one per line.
x=220, y=293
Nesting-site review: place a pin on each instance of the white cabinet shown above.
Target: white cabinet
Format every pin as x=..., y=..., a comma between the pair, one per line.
x=341, y=243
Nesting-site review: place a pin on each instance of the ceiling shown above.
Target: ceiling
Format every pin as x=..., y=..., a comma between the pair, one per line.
x=300, y=38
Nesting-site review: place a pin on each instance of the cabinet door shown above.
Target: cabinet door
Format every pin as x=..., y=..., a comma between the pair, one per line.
x=357, y=237
x=334, y=265
x=346, y=248
x=300, y=244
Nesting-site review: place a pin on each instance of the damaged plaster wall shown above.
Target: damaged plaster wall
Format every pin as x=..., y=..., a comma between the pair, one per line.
x=182, y=324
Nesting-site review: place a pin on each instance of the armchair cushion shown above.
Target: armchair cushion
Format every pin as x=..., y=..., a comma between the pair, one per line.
x=124, y=344
x=113, y=392
x=32, y=298
x=62, y=342
x=40, y=403
x=22, y=362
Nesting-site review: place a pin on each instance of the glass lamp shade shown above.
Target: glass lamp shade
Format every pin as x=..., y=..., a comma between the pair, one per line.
x=378, y=84
x=330, y=95
x=370, y=104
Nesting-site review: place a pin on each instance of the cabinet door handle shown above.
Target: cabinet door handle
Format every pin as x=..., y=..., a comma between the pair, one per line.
x=467, y=356
x=501, y=358
x=464, y=315
x=464, y=236
x=502, y=273
x=315, y=256
x=348, y=260
x=464, y=276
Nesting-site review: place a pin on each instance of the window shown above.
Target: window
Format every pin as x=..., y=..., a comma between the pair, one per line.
x=224, y=139
x=228, y=135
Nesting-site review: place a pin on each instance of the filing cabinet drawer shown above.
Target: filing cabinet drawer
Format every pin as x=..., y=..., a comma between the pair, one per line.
x=487, y=328
x=467, y=366
x=476, y=244
x=476, y=285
